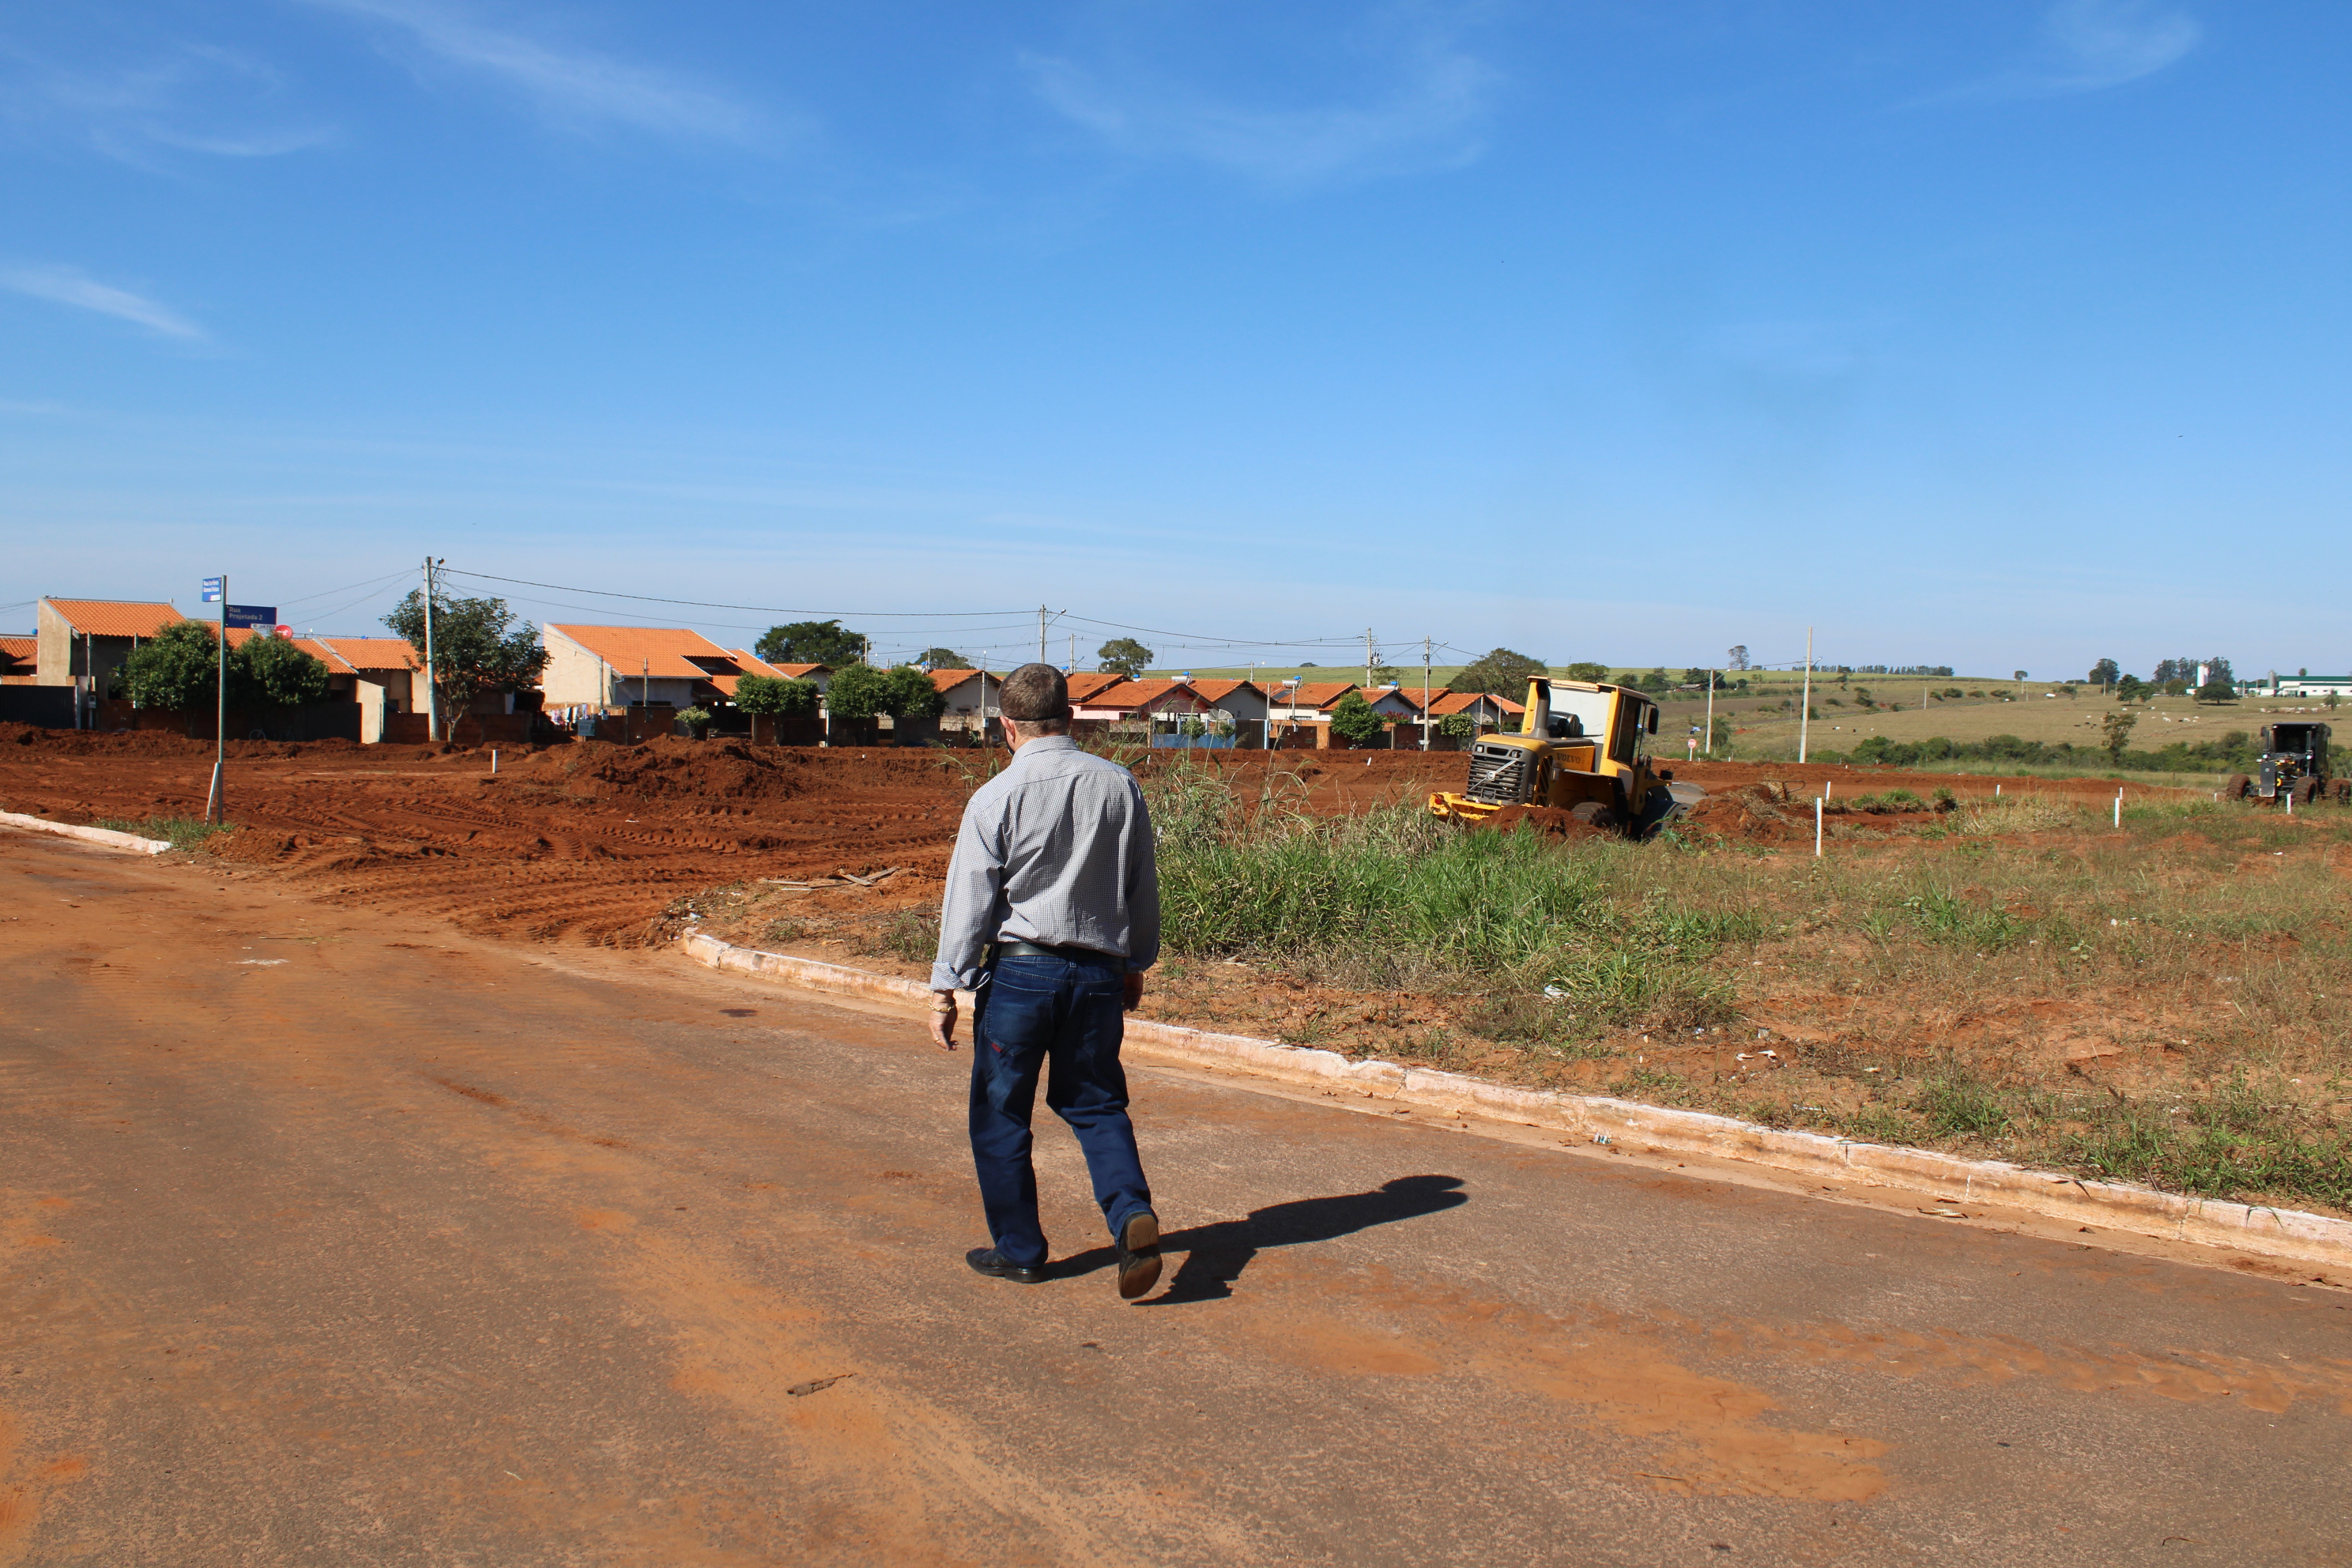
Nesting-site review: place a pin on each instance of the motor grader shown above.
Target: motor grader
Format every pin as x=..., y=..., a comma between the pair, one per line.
x=1578, y=749
x=2293, y=766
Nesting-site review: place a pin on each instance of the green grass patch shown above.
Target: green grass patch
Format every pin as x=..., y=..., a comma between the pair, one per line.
x=179, y=832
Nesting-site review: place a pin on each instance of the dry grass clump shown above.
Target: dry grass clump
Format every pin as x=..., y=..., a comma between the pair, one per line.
x=2163, y=1004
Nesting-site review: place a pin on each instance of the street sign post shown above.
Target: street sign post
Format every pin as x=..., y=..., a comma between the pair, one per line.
x=216, y=591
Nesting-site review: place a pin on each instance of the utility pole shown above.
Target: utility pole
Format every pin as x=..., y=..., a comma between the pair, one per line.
x=216, y=803
x=1805, y=708
x=1369, y=656
x=1425, y=696
x=1710, y=712
x=432, y=682
x=1041, y=635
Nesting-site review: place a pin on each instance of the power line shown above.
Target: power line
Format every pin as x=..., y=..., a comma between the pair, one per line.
x=371, y=582
x=703, y=604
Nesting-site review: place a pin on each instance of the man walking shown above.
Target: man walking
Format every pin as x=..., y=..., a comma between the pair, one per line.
x=1051, y=916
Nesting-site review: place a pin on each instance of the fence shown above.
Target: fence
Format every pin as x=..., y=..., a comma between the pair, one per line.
x=51, y=707
x=316, y=721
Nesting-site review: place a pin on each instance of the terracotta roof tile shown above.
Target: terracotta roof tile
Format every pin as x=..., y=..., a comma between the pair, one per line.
x=946, y=680
x=115, y=617
x=373, y=653
x=665, y=653
x=1085, y=683
x=1133, y=694
x=1308, y=694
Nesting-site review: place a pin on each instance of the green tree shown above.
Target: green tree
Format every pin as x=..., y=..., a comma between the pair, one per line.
x=1501, y=673
x=1585, y=671
x=1457, y=726
x=480, y=648
x=857, y=691
x=2132, y=688
x=174, y=670
x=1353, y=719
x=910, y=694
x=1123, y=655
x=2116, y=729
x=811, y=642
x=2217, y=691
x=2107, y=672
x=768, y=694
x=943, y=658
x=275, y=674
x=177, y=671
x=862, y=692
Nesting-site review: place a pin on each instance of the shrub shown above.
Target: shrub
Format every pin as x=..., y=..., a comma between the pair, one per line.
x=1353, y=719
x=910, y=694
x=177, y=670
x=277, y=673
x=859, y=691
x=769, y=694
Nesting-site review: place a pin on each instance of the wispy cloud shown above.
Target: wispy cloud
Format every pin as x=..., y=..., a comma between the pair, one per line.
x=2106, y=43
x=188, y=98
x=1434, y=116
x=67, y=286
x=2088, y=45
x=570, y=86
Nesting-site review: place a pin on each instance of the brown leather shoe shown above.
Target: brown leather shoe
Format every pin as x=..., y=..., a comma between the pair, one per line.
x=1139, y=1255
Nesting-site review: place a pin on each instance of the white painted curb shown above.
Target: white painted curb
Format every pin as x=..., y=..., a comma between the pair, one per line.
x=2115, y=1205
x=105, y=836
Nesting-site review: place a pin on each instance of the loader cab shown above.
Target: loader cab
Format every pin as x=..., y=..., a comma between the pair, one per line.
x=1612, y=720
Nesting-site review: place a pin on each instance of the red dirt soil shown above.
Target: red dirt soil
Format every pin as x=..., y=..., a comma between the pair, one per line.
x=593, y=841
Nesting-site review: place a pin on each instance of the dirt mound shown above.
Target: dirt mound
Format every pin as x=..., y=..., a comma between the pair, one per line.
x=1754, y=814
x=154, y=744
x=672, y=768
x=1561, y=826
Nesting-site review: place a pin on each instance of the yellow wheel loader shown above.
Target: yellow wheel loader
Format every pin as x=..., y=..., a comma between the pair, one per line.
x=1579, y=749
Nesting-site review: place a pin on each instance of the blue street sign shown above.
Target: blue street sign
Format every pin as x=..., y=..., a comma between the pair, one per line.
x=262, y=616
x=211, y=590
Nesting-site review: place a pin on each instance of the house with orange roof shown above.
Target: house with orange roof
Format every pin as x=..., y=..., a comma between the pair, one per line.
x=752, y=664
x=975, y=702
x=598, y=668
x=383, y=675
x=76, y=638
x=1487, y=712
x=1134, y=700
x=1298, y=712
x=1084, y=684
x=1241, y=700
x=20, y=661
x=82, y=642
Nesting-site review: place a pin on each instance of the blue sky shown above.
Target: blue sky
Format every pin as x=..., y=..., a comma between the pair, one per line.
x=2000, y=335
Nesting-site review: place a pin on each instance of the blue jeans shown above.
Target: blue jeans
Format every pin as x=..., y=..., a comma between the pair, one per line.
x=1066, y=1015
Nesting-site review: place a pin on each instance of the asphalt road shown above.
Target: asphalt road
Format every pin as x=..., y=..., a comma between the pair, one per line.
x=326, y=1238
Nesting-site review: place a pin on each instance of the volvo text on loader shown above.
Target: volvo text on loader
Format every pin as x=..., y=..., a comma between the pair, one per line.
x=1579, y=749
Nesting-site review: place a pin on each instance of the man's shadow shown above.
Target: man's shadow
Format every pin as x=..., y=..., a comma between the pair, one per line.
x=1216, y=1255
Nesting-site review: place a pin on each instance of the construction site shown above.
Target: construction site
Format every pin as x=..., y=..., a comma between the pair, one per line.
x=2120, y=980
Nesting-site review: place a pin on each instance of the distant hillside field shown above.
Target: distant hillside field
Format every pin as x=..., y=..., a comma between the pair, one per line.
x=2052, y=721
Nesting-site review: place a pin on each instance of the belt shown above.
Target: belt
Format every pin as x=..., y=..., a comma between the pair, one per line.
x=1037, y=950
